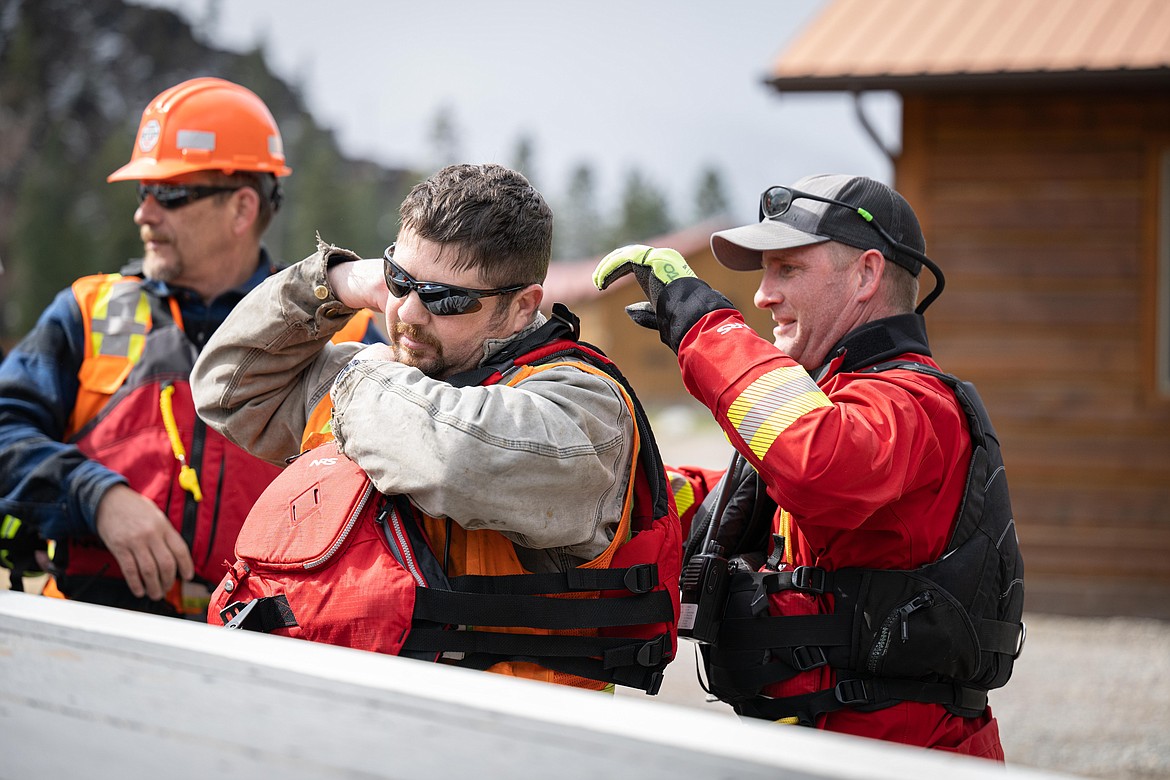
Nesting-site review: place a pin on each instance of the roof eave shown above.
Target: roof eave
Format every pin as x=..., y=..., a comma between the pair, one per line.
x=936, y=82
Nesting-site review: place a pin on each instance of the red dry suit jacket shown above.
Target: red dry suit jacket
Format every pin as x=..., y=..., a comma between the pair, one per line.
x=868, y=471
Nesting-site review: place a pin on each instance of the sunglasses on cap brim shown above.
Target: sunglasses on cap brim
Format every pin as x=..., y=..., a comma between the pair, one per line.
x=440, y=299
x=776, y=200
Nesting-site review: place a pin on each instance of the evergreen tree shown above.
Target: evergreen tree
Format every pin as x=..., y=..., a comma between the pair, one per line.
x=644, y=211
x=578, y=228
x=444, y=138
x=524, y=159
x=711, y=195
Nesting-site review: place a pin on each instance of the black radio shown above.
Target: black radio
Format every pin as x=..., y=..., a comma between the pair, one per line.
x=704, y=594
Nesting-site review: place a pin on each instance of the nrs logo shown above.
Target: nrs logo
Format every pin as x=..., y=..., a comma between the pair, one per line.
x=723, y=330
x=324, y=462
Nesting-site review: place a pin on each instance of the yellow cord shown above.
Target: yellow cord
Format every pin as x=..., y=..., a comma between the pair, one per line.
x=188, y=479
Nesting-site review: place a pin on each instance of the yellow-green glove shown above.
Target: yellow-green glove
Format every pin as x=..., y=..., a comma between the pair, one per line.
x=653, y=268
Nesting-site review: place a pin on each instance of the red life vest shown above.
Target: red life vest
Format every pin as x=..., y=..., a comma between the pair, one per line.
x=135, y=349
x=325, y=557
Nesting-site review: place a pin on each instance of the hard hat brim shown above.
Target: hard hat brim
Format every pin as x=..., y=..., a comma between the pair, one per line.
x=146, y=168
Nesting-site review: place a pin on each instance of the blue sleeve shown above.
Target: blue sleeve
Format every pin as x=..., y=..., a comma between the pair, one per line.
x=44, y=481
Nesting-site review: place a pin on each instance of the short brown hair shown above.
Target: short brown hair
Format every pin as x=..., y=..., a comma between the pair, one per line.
x=267, y=187
x=500, y=222
x=899, y=287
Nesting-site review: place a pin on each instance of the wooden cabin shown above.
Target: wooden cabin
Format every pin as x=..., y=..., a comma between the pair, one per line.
x=1036, y=151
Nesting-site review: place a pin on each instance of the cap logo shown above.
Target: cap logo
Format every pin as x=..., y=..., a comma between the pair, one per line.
x=203, y=140
x=149, y=135
x=275, y=146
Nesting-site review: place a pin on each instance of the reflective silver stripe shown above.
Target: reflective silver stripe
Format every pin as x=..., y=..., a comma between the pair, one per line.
x=773, y=402
x=121, y=330
x=196, y=139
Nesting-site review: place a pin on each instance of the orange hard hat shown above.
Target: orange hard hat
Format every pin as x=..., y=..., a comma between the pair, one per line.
x=205, y=124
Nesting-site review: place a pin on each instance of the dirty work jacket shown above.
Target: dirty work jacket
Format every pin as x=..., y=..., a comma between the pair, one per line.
x=546, y=463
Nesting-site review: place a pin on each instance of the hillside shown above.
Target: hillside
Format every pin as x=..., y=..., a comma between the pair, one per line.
x=74, y=78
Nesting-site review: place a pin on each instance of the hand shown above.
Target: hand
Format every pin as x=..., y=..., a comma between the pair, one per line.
x=653, y=268
x=147, y=547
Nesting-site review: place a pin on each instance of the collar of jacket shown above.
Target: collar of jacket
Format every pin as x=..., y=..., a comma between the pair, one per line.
x=876, y=341
x=492, y=346
x=265, y=267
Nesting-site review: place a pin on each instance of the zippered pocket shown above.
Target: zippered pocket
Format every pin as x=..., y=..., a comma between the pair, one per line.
x=913, y=628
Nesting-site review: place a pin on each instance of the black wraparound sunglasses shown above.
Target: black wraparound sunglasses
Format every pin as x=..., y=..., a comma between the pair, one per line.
x=440, y=299
x=776, y=201
x=173, y=196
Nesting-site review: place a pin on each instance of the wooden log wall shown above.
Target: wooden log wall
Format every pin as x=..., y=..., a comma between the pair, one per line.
x=1043, y=210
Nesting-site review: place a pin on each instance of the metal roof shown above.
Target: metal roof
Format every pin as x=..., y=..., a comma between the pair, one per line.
x=933, y=44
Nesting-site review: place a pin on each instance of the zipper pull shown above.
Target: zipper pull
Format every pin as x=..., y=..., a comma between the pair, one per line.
x=383, y=515
x=924, y=599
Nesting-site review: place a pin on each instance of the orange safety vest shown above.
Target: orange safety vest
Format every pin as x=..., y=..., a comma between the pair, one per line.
x=610, y=620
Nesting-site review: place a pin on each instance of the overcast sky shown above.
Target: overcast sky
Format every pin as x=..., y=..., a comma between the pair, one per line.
x=666, y=86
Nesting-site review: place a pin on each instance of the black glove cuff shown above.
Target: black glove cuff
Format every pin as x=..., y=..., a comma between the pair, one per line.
x=681, y=304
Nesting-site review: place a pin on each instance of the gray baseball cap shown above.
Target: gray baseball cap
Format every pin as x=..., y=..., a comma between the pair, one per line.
x=808, y=221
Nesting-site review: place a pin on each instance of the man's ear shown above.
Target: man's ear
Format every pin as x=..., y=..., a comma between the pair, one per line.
x=870, y=268
x=525, y=303
x=245, y=209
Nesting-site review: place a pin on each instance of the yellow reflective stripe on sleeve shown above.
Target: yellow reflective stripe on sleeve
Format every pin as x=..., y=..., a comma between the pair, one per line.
x=773, y=402
x=684, y=493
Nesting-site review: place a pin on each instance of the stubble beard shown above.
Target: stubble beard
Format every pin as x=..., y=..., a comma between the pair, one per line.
x=430, y=362
x=161, y=266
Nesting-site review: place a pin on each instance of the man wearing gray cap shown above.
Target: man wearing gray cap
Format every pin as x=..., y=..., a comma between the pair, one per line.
x=855, y=568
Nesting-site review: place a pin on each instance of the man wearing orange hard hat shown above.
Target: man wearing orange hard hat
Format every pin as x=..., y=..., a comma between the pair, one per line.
x=100, y=447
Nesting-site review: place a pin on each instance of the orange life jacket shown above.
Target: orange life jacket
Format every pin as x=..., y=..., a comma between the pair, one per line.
x=463, y=597
x=134, y=414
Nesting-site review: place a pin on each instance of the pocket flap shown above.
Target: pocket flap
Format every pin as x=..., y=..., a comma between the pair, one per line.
x=305, y=516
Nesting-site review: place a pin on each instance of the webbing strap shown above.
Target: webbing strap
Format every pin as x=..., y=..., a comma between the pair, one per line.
x=648, y=679
x=749, y=680
x=998, y=636
x=539, y=612
x=786, y=631
x=635, y=579
x=874, y=694
x=613, y=651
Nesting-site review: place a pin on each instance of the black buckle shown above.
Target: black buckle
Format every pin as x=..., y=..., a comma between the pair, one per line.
x=641, y=578
x=853, y=691
x=650, y=653
x=647, y=654
x=654, y=684
x=810, y=578
x=808, y=657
